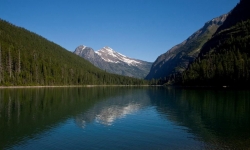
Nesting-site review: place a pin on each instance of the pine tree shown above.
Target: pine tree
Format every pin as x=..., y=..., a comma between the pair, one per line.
x=1, y=69
x=10, y=64
x=19, y=62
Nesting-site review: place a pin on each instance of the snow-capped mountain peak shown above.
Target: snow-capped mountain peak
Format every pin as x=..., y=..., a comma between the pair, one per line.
x=108, y=49
x=109, y=55
x=80, y=49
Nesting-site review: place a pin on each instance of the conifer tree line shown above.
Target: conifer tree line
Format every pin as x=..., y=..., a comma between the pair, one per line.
x=28, y=59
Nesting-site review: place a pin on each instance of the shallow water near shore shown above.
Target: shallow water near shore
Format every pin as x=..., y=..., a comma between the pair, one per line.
x=124, y=118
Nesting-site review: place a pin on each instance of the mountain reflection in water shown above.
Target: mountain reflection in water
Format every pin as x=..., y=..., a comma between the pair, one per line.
x=113, y=108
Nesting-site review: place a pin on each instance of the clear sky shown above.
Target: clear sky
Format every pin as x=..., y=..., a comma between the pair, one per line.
x=142, y=29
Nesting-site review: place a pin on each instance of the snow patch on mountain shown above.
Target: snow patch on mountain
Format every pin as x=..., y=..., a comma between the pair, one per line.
x=109, y=55
x=80, y=49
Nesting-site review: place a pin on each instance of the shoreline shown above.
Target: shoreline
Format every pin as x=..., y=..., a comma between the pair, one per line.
x=46, y=86
x=67, y=86
x=89, y=86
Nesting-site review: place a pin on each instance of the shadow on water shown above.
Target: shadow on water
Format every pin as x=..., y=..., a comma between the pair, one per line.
x=26, y=113
x=218, y=117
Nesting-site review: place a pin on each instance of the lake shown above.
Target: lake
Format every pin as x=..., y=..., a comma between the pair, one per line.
x=124, y=118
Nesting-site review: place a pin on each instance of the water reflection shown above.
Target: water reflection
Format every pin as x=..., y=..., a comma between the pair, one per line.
x=219, y=117
x=108, y=115
x=215, y=119
x=26, y=113
x=110, y=109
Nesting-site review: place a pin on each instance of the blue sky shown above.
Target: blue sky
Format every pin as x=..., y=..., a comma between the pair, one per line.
x=142, y=29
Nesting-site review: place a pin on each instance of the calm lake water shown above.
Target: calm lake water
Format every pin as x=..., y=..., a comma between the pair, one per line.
x=124, y=118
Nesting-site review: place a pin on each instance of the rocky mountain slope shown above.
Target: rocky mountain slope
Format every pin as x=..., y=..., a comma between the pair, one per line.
x=114, y=62
x=176, y=59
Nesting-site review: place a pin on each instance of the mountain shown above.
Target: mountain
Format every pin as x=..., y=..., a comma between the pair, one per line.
x=29, y=59
x=176, y=59
x=224, y=60
x=111, y=61
x=89, y=54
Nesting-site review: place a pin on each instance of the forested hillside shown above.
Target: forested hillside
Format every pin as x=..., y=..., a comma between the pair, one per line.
x=225, y=58
x=29, y=59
